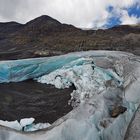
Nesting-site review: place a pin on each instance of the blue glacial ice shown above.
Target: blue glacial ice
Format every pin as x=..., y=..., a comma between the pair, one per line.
x=20, y=70
x=103, y=80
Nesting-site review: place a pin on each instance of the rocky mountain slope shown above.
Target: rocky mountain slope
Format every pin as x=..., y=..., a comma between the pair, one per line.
x=45, y=36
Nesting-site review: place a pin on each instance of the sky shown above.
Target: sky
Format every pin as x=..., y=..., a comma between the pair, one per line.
x=80, y=13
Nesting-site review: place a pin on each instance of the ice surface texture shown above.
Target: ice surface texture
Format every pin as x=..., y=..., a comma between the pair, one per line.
x=103, y=80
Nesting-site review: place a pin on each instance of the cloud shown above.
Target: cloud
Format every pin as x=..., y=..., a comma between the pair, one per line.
x=81, y=13
x=126, y=19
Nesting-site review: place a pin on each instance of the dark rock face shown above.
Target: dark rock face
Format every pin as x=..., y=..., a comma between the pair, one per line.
x=116, y=111
x=45, y=34
x=31, y=99
x=9, y=27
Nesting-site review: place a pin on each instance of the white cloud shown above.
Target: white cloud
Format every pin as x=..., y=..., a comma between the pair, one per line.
x=81, y=13
x=126, y=19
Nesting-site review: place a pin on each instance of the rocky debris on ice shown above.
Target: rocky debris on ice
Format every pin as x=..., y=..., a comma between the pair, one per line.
x=117, y=110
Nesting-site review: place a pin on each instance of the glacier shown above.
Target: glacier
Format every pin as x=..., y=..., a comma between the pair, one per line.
x=103, y=80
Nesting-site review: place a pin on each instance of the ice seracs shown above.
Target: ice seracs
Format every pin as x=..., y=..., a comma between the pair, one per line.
x=87, y=78
x=26, y=121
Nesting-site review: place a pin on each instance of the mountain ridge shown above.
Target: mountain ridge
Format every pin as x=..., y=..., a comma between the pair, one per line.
x=45, y=36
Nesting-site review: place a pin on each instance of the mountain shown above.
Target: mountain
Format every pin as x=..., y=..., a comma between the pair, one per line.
x=45, y=36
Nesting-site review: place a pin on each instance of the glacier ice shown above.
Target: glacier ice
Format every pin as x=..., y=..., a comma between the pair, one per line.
x=102, y=80
x=20, y=70
x=26, y=121
x=88, y=79
x=12, y=124
x=26, y=124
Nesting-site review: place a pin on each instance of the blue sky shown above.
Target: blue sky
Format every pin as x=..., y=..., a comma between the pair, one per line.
x=133, y=11
x=113, y=21
x=80, y=13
